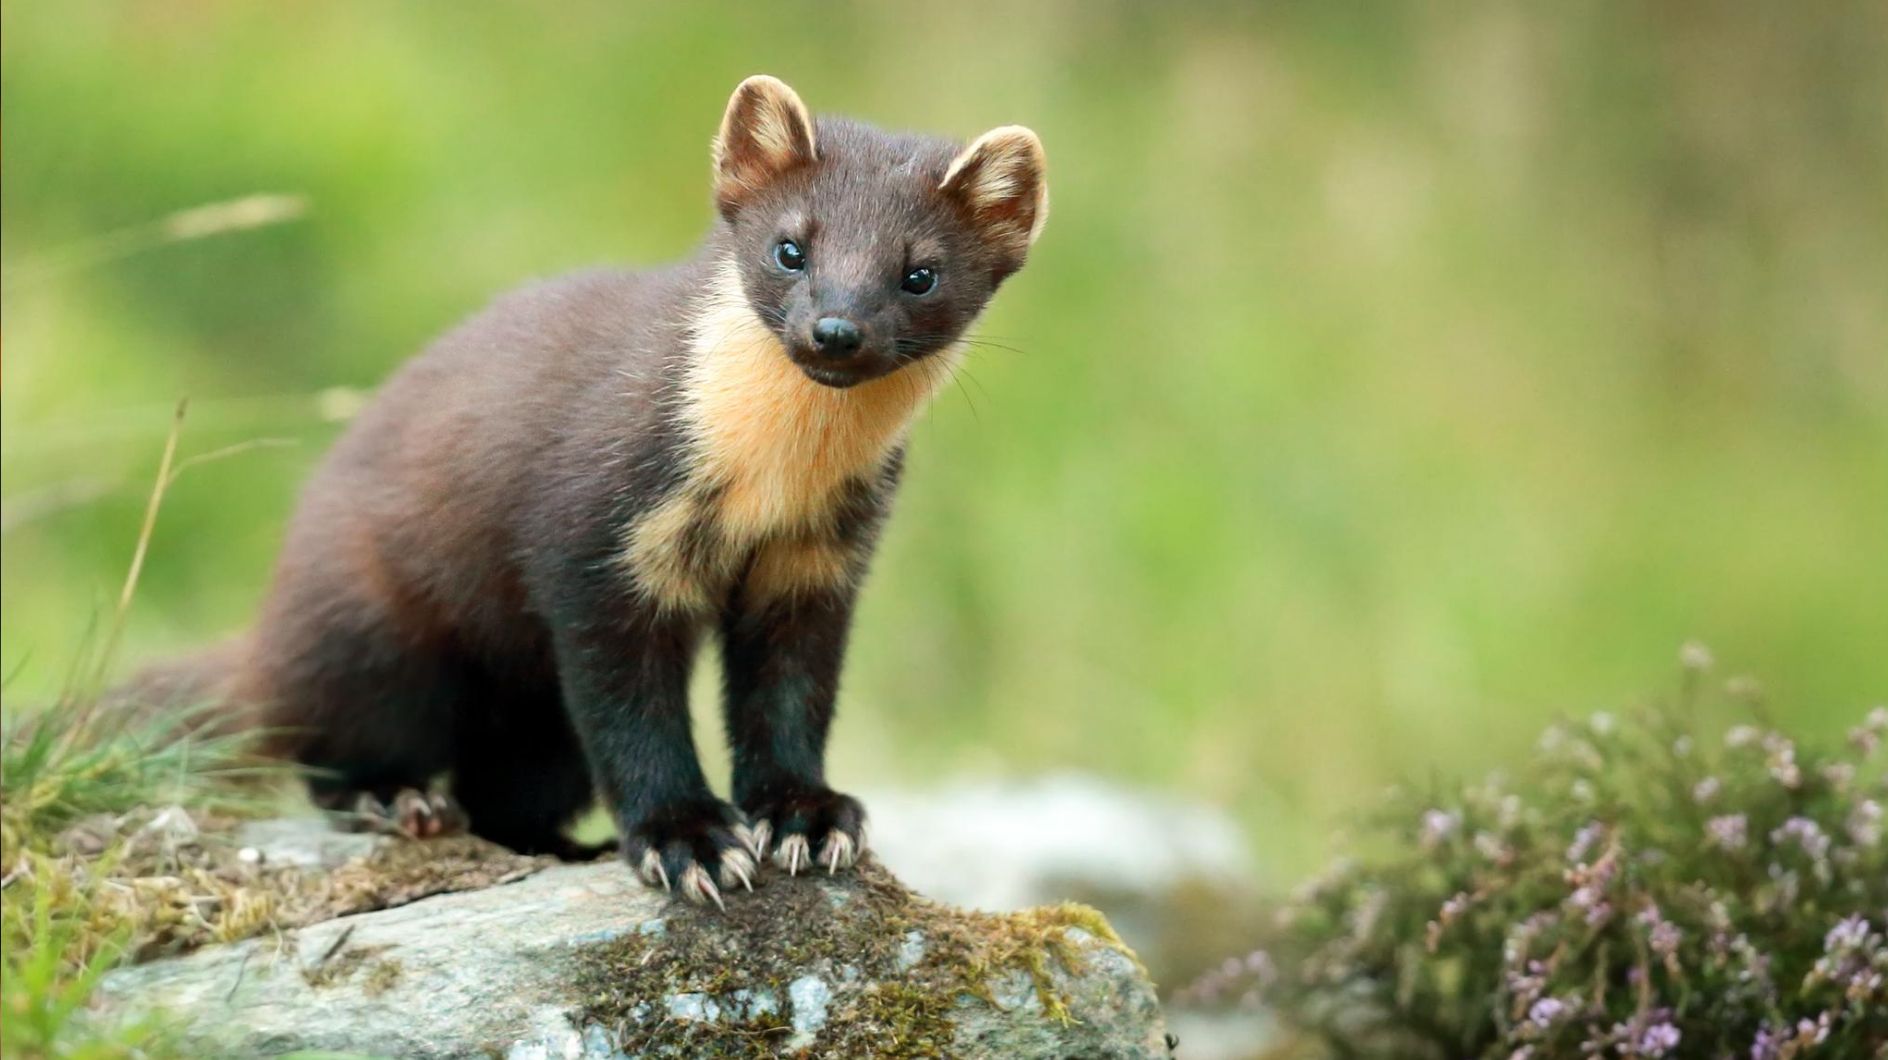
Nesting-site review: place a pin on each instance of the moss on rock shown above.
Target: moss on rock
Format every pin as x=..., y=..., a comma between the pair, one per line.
x=860, y=965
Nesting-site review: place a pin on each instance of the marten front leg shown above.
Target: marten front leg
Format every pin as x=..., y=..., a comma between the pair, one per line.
x=625, y=684
x=782, y=654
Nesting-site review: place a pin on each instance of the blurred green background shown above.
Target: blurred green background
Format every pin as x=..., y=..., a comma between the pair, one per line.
x=1389, y=378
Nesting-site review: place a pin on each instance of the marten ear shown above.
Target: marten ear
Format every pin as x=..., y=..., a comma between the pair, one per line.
x=1001, y=182
x=766, y=132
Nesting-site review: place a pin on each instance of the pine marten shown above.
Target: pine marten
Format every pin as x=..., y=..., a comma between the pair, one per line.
x=503, y=569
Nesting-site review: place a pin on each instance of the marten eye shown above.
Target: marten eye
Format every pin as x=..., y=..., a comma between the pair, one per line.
x=919, y=281
x=789, y=256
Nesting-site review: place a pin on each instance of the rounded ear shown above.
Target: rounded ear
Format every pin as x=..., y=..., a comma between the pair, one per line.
x=765, y=132
x=1002, y=183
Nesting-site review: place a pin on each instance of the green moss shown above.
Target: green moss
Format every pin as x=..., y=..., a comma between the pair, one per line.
x=855, y=934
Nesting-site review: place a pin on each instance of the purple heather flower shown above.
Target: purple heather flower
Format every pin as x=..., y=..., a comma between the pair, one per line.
x=1729, y=832
x=1813, y=1033
x=1865, y=740
x=1583, y=841
x=1741, y=736
x=1490, y=846
x=1662, y=934
x=1867, y=736
x=1864, y=823
x=1806, y=834
x=1260, y=965
x=1780, y=759
x=1664, y=939
x=1849, y=934
x=1544, y=1012
x=1658, y=1039
x=1438, y=825
x=1706, y=790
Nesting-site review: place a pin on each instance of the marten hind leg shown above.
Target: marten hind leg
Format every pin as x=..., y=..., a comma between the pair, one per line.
x=520, y=775
x=368, y=712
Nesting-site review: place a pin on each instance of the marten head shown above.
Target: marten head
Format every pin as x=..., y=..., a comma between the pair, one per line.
x=865, y=251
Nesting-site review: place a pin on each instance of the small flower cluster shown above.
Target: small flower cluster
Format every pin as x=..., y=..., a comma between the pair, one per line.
x=1647, y=893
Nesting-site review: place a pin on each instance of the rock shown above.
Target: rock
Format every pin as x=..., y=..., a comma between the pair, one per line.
x=1174, y=877
x=1004, y=845
x=581, y=961
x=306, y=842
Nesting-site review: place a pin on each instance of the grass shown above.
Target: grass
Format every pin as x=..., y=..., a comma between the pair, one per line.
x=65, y=919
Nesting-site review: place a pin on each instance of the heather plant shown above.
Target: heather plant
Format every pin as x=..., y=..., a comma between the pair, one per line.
x=1639, y=890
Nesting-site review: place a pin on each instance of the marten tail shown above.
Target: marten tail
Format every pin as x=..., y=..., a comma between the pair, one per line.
x=201, y=692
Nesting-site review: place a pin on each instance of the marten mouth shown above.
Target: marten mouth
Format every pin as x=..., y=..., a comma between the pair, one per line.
x=837, y=378
x=838, y=375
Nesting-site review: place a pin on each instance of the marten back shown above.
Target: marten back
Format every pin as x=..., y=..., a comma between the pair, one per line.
x=434, y=496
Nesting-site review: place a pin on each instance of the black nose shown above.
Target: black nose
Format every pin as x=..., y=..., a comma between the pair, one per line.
x=836, y=337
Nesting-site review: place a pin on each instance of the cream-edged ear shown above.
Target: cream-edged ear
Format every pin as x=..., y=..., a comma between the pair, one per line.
x=765, y=132
x=1002, y=181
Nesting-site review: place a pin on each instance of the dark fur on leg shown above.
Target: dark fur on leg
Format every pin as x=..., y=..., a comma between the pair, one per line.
x=782, y=665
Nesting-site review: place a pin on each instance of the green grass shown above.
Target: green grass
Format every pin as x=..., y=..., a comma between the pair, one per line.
x=58, y=933
x=1389, y=379
x=80, y=758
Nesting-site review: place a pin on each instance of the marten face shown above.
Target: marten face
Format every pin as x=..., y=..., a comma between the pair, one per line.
x=866, y=251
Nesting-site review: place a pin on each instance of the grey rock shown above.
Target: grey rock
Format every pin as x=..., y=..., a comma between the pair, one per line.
x=502, y=972
x=306, y=842
x=1006, y=845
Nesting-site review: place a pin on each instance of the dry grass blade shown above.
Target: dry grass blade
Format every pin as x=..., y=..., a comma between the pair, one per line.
x=197, y=222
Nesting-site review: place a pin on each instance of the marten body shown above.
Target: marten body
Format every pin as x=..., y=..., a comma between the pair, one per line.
x=504, y=568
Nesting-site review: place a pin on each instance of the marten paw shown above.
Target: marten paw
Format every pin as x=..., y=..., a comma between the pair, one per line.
x=808, y=828
x=696, y=849
x=412, y=813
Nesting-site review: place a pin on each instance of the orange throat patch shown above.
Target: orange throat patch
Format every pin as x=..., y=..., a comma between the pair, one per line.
x=769, y=451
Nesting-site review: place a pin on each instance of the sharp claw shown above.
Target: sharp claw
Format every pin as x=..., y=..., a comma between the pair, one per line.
x=367, y=804
x=449, y=820
x=652, y=870
x=737, y=865
x=697, y=887
x=794, y=854
x=838, y=850
x=754, y=838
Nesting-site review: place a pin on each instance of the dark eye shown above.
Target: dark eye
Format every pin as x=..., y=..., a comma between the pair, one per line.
x=789, y=256
x=919, y=281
